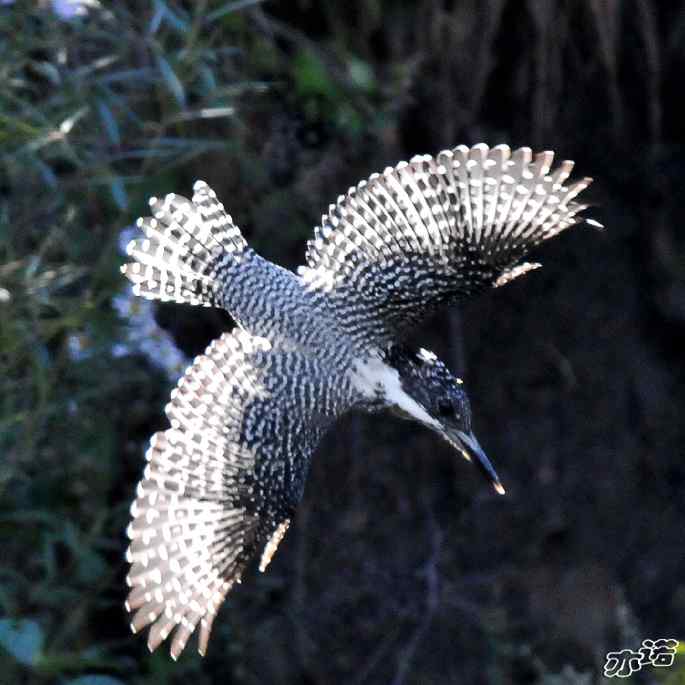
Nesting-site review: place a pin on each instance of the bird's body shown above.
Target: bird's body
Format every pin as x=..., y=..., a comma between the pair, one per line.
x=223, y=481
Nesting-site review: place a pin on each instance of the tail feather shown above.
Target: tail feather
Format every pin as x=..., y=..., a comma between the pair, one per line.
x=188, y=249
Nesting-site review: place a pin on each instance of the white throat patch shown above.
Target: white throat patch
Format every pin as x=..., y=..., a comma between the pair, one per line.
x=375, y=379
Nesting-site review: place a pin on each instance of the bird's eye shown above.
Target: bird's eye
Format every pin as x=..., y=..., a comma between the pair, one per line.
x=445, y=408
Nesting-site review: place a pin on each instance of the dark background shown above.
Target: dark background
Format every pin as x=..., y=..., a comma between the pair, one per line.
x=402, y=565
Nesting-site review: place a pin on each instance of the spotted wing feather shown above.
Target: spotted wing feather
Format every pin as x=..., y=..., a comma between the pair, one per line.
x=188, y=250
x=433, y=230
x=222, y=482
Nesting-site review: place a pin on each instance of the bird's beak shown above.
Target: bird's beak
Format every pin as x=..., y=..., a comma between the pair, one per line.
x=472, y=451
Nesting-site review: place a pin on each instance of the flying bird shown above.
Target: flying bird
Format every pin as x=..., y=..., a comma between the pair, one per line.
x=222, y=483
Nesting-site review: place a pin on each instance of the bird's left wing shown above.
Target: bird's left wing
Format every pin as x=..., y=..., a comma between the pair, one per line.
x=436, y=229
x=222, y=483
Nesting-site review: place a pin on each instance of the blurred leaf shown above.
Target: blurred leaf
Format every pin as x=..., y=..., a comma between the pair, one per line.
x=350, y=119
x=119, y=194
x=156, y=19
x=68, y=124
x=49, y=71
x=96, y=65
x=361, y=74
x=95, y=680
x=172, y=81
x=128, y=76
x=46, y=173
x=208, y=79
x=207, y=113
x=22, y=638
x=311, y=76
x=172, y=18
x=230, y=7
x=109, y=122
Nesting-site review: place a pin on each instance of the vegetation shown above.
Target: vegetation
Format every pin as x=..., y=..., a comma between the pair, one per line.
x=401, y=566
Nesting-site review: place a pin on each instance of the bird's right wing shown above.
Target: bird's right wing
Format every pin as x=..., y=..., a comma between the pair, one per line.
x=426, y=233
x=222, y=483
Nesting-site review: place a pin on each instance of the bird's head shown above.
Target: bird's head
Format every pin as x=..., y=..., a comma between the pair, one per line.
x=431, y=394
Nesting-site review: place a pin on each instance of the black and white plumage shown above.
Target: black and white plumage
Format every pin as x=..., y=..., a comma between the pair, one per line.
x=222, y=483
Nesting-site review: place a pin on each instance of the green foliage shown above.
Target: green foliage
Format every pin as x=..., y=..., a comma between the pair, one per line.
x=113, y=96
x=674, y=675
x=91, y=111
x=326, y=97
x=94, y=680
x=312, y=78
x=23, y=639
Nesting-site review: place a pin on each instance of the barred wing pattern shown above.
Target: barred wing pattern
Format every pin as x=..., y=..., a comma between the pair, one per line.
x=223, y=481
x=189, y=250
x=426, y=233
